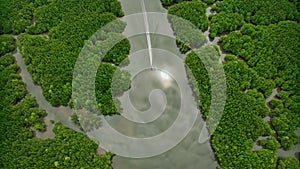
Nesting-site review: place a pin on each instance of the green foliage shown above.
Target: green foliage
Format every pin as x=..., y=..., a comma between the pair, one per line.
x=105, y=72
x=223, y=21
x=29, y=113
x=50, y=64
x=297, y=3
x=19, y=112
x=6, y=61
x=16, y=15
x=193, y=11
x=201, y=84
x=120, y=82
x=234, y=41
x=118, y=53
x=110, y=81
x=209, y=1
x=272, y=51
x=283, y=95
x=260, y=12
x=187, y=20
x=187, y=35
x=51, y=15
x=288, y=163
x=103, y=87
x=51, y=61
x=276, y=103
x=271, y=144
x=270, y=55
x=68, y=149
x=285, y=123
x=268, y=58
x=167, y=3
x=241, y=122
x=248, y=78
x=76, y=29
x=204, y=68
x=12, y=88
x=7, y=44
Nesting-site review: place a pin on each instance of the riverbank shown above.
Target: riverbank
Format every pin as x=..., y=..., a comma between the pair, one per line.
x=57, y=114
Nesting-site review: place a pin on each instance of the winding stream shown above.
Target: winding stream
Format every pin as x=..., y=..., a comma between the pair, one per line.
x=293, y=151
x=61, y=114
x=189, y=154
x=215, y=41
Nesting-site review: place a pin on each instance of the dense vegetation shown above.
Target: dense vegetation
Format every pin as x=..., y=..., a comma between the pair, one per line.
x=192, y=11
x=16, y=15
x=55, y=12
x=271, y=144
x=223, y=21
x=167, y=3
x=231, y=14
x=19, y=148
x=288, y=163
x=260, y=12
x=272, y=51
x=261, y=58
x=187, y=20
x=106, y=87
x=51, y=60
x=242, y=122
x=264, y=55
x=7, y=44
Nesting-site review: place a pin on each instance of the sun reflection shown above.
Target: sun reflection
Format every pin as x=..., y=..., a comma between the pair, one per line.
x=164, y=75
x=167, y=80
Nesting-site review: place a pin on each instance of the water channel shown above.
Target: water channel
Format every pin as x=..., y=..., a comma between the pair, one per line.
x=165, y=57
x=188, y=154
x=61, y=114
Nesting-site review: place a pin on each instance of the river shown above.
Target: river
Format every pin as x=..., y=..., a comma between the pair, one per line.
x=61, y=114
x=188, y=154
